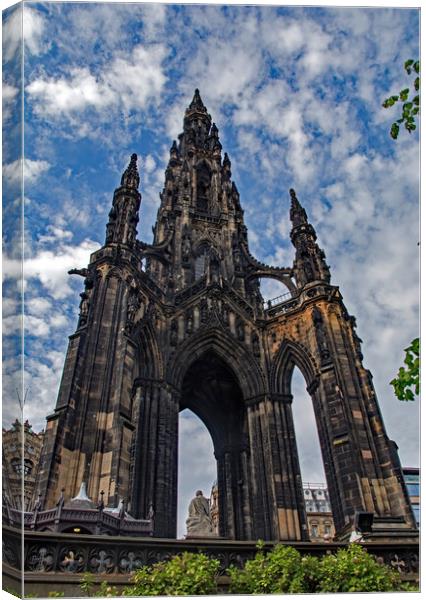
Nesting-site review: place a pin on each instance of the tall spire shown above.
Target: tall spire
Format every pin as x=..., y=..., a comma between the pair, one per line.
x=309, y=264
x=130, y=177
x=297, y=212
x=124, y=214
x=197, y=103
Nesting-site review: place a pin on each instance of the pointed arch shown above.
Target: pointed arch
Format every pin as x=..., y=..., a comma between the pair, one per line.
x=248, y=373
x=150, y=364
x=289, y=355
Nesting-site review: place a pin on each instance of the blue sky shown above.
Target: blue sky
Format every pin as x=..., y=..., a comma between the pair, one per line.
x=296, y=94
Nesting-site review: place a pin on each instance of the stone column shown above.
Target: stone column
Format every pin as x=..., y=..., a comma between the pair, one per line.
x=265, y=524
x=292, y=522
x=155, y=456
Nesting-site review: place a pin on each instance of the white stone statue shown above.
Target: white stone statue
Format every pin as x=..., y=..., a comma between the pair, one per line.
x=199, y=521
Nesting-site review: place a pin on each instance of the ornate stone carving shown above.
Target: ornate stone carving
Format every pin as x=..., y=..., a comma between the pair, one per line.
x=173, y=333
x=101, y=561
x=189, y=321
x=40, y=558
x=321, y=335
x=255, y=344
x=71, y=560
x=240, y=329
x=129, y=562
x=204, y=311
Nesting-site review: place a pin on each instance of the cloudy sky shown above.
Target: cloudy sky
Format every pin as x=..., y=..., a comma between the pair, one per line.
x=296, y=94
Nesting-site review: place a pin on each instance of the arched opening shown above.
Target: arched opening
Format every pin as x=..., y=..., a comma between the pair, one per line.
x=315, y=493
x=273, y=291
x=197, y=468
x=77, y=530
x=308, y=445
x=201, y=262
x=211, y=391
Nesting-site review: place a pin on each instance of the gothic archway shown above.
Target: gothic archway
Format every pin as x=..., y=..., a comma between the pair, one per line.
x=211, y=391
x=291, y=355
x=250, y=377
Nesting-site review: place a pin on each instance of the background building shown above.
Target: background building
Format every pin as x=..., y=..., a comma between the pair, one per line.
x=14, y=467
x=214, y=507
x=318, y=512
x=412, y=480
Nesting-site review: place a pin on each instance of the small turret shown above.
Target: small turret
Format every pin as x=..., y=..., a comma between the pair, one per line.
x=124, y=214
x=309, y=264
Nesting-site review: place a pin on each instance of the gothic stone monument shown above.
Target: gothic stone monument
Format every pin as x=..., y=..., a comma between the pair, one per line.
x=180, y=323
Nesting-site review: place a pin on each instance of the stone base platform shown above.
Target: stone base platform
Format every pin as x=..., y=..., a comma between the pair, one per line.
x=56, y=561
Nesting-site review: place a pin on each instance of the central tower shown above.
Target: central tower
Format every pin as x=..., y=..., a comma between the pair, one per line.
x=180, y=323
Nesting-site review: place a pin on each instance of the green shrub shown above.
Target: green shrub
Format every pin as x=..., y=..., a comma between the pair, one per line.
x=354, y=570
x=281, y=571
x=284, y=570
x=183, y=575
x=105, y=590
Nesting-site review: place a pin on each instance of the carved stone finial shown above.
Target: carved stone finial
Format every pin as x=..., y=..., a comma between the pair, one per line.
x=197, y=103
x=297, y=212
x=130, y=177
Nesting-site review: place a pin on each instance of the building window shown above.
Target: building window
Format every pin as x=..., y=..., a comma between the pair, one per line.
x=413, y=489
x=314, y=530
x=327, y=529
x=203, y=187
x=416, y=511
x=201, y=262
x=28, y=467
x=17, y=465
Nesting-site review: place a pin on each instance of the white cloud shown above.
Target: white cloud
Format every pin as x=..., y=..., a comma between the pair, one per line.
x=9, y=95
x=23, y=25
x=32, y=170
x=33, y=30
x=126, y=82
x=56, y=234
x=38, y=306
x=50, y=267
x=149, y=164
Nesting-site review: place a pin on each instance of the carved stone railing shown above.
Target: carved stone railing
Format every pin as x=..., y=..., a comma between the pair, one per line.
x=191, y=290
x=94, y=520
x=277, y=300
x=53, y=553
x=294, y=302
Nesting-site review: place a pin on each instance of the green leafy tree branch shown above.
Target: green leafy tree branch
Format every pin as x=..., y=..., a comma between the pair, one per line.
x=410, y=106
x=407, y=383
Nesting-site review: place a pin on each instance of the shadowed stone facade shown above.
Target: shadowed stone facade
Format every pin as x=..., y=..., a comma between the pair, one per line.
x=20, y=471
x=180, y=323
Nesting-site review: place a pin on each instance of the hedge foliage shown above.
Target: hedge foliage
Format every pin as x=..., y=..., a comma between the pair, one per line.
x=186, y=574
x=283, y=570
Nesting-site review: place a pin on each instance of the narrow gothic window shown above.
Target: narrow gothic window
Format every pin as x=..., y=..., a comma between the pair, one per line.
x=203, y=187
x=201, y=264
